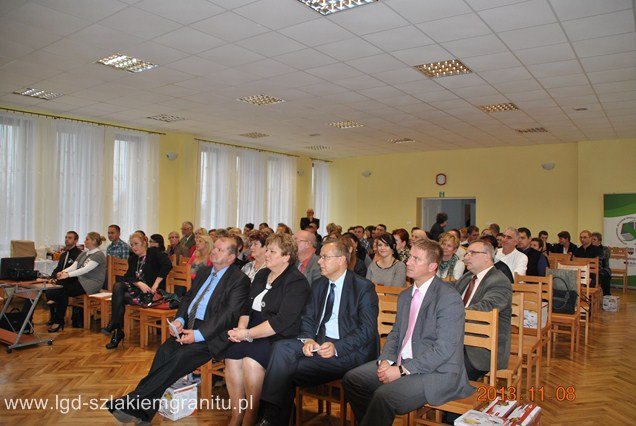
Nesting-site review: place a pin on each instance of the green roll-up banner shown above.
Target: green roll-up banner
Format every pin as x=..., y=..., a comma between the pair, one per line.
x=620, y=228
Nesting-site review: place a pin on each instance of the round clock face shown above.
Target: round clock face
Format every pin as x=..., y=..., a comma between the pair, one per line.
x=440, y=179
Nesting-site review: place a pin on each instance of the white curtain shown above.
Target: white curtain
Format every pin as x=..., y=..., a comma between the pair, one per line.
x=281, y=193
x=320, y=186
x=135, y=181
x=18, y=174
x=217, y=186
x=252, y=187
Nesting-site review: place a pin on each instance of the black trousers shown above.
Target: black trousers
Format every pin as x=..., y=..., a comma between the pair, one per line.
x=120, y=298
x=71, y=287
x=172, y=361
x=289, y=367
x=472, y=372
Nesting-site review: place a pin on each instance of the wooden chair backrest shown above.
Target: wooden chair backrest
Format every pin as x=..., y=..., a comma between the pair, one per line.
x=618, y=257
x=516, y=320
x=584, y=272
x=115, y=267
x=546, y=293
x=593, y=262
x=179, y=275
x=386, y=315
x=481, y=330
x=554, y=258
x=388, y=290
x=531, y=303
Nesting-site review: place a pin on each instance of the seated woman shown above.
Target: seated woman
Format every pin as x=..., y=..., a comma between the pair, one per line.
x=201, y=256
x=401, y=236
x=257, y=252
x=355, y=263
x=386, y=268
x=156, y=240
x=85, y=276
x=277, y=299
x=451, y=268
x=148, y=268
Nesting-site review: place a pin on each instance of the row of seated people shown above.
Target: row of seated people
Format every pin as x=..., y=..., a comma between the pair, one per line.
x=280, y=331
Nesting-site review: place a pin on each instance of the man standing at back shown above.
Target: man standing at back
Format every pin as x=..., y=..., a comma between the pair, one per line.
x=422, y=359
x=305, y=221
x=338, y=332
x=307, y=259
x=484, y=289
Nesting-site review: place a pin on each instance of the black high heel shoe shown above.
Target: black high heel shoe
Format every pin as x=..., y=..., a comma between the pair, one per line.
x=55, y=330
x=108, y=329
x=118, y=336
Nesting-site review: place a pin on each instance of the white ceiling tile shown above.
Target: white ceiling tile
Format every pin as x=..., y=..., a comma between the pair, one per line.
x=189, y=40
x=346, y=50
x=360, y=82
x=568, y=92
x=402, y=75
x=13, y=50
x=271, y=44
x=473, y=92
x=155, y=53
x=628, y=86
x=422, y=55
x=266, y=68
x=455, y=28
x=139, y=23
x=605, y=45
x=491, y=62
x=183, y=12
x=573, y=9
x=275, y=14
x=462, y=80
x=399, y=38
x=229, y=26
x=553, y=69
x=609, y=76
x=316, y=32
x=544, y=54
x=297, y=79
x=600, y=25
x=379, y=93
x=419, y=11
x=517, y=86
x=231, y=55
x=305, y=58
x=108, y=40
x=32, y=37
x=564, y=81
x=334, y=71
x=506, y=74
x=490, y=4
x=30, y=69
x=324, y=89
x=196, y=66
x=46, y=19
x=475, y=46
x=526, y=38
x=609, y=62
x=93, y=10
x=9, y=6
x=371, y=18
x=376, y=64
x=519, y=15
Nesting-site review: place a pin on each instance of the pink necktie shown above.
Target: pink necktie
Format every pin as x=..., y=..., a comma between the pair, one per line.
x=416, y=302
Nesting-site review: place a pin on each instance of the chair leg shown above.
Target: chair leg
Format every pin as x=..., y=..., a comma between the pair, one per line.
x=549, y=349
x=537, y=378
x=87, y=312
x=299, y=406
x=205, y=388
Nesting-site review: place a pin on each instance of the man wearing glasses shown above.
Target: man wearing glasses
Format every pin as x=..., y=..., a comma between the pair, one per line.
x=186, y=245
x=485, y=288
x=338, y=332
x=307, y=259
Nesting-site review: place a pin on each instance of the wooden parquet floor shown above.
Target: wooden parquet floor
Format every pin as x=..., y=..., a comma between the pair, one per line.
x=602, y=376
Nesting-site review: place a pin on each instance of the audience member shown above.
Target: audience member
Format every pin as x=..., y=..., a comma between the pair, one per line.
x=441, y=220
x=537, y=262
x=589, y=250
x=472, y=234
x=508, y=253
x=499, y=239
x=333, y=232
x=201, y=231
x=417, y=235
x=486, y=231
x=249, y=227
x=156, y=240
x=186, y=244
x=565, y=245
x=338, y=332
x=421, y=361
x=200, y=323
x=278, y=296
x=281, y=228
x=257, y=241
x=307, y=259
x=450, y=268
x=238, y=238
x=67, y=257
x=173, y=240
x=461, y=251
x=537, y=244
x=305, y=221
x=86, y=275
x=604, y=259
x=117, y=248
x=379, y=230
x=495, y=229
x=387, y=268
x=356, y=264
x=262, y=225
x=547, y=247
x=502, y=267
x=402, y=243
x=201, y=258
x=484, y=289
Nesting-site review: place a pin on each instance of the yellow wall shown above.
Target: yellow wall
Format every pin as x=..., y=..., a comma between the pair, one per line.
x=511, y=187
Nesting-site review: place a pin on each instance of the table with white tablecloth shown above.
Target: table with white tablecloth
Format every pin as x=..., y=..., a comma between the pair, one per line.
x=45, y=266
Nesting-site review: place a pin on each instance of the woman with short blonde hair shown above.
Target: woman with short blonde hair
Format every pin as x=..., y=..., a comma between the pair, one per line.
x=201, y=256
x=451, y=268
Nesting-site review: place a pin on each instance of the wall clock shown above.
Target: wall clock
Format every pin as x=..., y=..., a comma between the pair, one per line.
x=440, y=179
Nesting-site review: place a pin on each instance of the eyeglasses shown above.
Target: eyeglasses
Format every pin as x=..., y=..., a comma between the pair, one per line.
x=473, y=252
x=326, y=256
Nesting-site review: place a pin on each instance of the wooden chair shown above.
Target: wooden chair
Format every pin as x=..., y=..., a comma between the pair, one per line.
x=585, y=307
x=115, y=267
x=99, y=303
x=208, y=371
x=514, y=372
x=554, y=258
x=388, y=290
x=156, y=319
x=481, y=330
x=618, y=264
x=386, y=316
x=571, y=322
x=595, y=293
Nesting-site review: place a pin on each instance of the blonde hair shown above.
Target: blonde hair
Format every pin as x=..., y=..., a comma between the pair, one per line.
x=95, y=236
x=447, y=236
x=198, y=256
x=141, y=237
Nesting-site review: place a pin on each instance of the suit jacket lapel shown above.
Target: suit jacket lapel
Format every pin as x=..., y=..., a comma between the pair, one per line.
x=482, y=285
x=345, y=295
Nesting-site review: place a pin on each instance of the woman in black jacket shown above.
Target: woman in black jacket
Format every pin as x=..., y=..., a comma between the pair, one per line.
x=277, y=298
x=148, y=268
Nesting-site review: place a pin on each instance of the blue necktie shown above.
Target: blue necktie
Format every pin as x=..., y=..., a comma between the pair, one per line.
x=322, y=330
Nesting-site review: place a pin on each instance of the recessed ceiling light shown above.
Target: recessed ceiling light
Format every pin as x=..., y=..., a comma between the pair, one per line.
x=498, y=107
x=580, y=109
x=443, y=68
x=126, y=63
x=254, y=135
x=346, y=124
x=166, y=117
x=37, y=93
x=400, y=141
x=261, y=100
x=327, y=7
x=532, y=130
x=318, y=148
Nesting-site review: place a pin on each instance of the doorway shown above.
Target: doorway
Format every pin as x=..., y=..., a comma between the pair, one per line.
x=461, y=212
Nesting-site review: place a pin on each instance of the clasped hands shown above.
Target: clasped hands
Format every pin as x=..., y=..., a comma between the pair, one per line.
x=326, y=350
x=387, y=372
x=237, y=334
x=185, y=337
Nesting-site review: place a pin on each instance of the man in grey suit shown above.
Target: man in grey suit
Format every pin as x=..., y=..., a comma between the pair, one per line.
x=422, y=360
x=485, y=288
x=307, y=259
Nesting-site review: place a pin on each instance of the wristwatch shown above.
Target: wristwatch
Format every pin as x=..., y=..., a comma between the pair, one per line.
x=402, y=370
x=248, y=338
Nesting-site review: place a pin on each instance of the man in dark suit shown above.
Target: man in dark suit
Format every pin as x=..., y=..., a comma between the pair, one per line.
x=537, y=262
x=209, y=309
x=565, y=244
x=423, y=358
x=338, y=332
x=305, y=221
x=484, y=289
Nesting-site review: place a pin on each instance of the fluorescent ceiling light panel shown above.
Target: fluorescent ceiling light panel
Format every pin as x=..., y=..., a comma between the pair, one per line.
x=532, y=130
x=400, y=141
x=346, y=124
x=38, y=93
x=254, y=135
x=166, y=117
x=126, y=63
x=261, y=100
x=318, y=148
x=327, y=7
x=443, y=68
x=498, y=107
